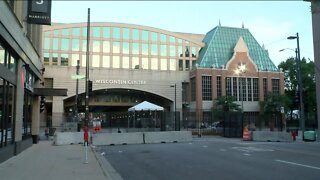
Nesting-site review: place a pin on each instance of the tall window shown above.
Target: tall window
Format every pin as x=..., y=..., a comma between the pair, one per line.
x=255, y=83
x=265, y=89
x=163, y=50
x=125, y=62
x=228, y=86
x=145, y=63
x=116, y=47
x=218, y=86
x=145, y=35
x=275, y=87
x=235, y=87
x=206, y=88
x=125, y=48
x=249, y=89
x=106, y=32
x=135, y=63
x=154, y=63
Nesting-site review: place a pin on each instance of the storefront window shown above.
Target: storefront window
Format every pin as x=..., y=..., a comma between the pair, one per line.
x=6, y=112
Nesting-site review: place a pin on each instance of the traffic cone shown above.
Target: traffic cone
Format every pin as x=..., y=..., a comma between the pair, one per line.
x=246, y=135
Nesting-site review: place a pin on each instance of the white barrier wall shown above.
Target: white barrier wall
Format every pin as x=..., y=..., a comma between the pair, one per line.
x=63, y=138
x=168, y=136
x=271, y=136
x=117, y=138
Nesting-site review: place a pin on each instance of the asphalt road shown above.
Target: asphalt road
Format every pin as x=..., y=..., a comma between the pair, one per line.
x=216, y=158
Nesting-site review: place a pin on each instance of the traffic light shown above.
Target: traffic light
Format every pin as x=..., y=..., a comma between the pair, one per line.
x=42, y=103
x=90, y=86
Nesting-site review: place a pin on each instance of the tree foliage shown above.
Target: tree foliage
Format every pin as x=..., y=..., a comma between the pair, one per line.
x=308, y=86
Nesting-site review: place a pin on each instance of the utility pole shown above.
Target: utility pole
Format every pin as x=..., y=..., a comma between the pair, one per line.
x=87, y=72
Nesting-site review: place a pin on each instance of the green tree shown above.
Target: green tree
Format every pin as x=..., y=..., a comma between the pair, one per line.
x=271, y=110
x=308, y=90
x=225, y=103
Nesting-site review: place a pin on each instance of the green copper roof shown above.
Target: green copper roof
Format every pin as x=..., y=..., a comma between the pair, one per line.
x=219, y=48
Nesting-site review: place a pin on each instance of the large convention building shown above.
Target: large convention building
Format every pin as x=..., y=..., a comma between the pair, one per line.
x=130, y=63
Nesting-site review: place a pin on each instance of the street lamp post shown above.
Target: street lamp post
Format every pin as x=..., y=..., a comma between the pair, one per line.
x=241, y=69
x=175, y=105
x=298, y=61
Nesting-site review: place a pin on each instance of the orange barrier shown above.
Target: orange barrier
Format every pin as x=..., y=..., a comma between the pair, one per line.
x=246, y=135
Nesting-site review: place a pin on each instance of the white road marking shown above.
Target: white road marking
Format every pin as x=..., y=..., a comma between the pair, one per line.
x=223, y=150
x=297, y=164
x=204, y=146
x=247, y=154
x=252, y=149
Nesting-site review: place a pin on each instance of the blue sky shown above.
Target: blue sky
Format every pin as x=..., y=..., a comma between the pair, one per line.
x=270, y=22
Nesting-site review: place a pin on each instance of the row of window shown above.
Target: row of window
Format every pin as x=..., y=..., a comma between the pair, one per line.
x=116, y=33
x=125, y=62
x=242, y=88
x=65, y=44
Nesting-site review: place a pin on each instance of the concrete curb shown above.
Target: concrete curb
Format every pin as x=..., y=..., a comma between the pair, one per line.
x=108, y=170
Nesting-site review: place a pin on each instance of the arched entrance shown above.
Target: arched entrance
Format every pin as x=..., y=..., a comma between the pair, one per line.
x=110, y=106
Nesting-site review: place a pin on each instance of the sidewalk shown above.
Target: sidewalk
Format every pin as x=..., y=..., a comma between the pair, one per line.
x=46, y=161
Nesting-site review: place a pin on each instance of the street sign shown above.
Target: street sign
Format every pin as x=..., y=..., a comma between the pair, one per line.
x=80, y=76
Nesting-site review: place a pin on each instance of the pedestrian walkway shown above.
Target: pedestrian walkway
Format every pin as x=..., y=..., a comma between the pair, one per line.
x=46, y=161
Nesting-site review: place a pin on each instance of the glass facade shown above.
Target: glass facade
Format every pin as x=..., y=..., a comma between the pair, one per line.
x=145, y=49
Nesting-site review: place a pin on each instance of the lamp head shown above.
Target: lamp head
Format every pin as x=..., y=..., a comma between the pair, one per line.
x=292, y=37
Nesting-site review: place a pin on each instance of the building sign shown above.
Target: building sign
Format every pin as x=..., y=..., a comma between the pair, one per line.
x=117, y=81
x=39, y=12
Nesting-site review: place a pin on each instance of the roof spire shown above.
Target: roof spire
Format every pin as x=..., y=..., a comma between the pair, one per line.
x=242, y=25
x=219, y=23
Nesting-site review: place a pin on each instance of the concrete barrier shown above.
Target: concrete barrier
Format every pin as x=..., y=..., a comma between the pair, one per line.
x=63, y=138
x=168, y=136
x=117, y=138
x=278, y=136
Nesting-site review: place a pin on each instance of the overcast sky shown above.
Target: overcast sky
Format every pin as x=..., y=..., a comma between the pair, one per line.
x=269, y=22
